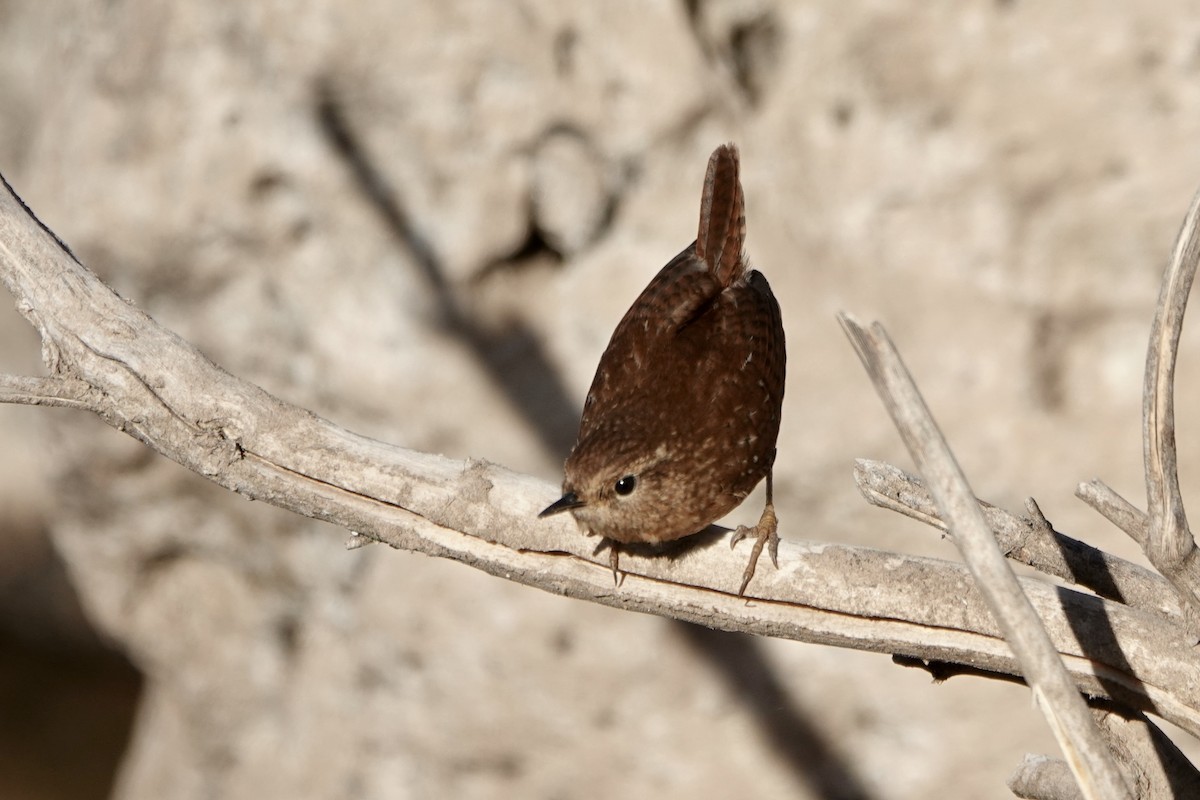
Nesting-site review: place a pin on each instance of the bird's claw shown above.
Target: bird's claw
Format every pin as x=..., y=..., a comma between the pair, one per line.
x=766, y=534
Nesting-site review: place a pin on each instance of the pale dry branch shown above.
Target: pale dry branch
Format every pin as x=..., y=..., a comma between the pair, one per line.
x=1126, y=516
x=1116, y=509
x=1065, y=710
x=43, y=391
x=1024, y=540
x=110, y=358
x=1158, y=770
x=1170, y=545
x=1043, y=778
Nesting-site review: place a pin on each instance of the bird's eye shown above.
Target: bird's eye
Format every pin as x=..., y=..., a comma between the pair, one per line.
x=626, y=485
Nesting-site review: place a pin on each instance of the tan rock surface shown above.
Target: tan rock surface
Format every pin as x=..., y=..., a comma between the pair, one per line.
x=422, y=221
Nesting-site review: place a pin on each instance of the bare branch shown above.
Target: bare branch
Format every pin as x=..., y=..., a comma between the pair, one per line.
x=1170, y=545
x=146, y=381
x=1065, y=710
x=45, y=392
x=1115, y=508
x=1044, y=778
x=1023, y=540
x=1157, y=768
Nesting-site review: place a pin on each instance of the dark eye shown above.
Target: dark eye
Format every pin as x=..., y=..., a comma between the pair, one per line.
x=626, y=485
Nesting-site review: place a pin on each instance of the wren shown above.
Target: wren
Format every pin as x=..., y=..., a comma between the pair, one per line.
x=683, y=415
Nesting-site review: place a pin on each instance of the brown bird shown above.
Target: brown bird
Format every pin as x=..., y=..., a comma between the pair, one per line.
x=682, y=418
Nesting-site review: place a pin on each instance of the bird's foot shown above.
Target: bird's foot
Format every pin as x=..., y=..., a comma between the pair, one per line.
x=766, y=533
x=614, y=558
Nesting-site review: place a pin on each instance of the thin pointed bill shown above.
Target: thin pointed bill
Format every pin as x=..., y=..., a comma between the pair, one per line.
x=565, y=503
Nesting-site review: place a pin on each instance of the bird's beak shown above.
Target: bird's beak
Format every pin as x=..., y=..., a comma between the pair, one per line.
x=565, y=503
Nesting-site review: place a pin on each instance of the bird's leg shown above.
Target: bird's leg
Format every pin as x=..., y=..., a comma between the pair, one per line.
x=614, y=558
x=766, y=532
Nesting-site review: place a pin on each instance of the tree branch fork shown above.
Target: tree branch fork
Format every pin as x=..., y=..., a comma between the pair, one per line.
x=1124, y=636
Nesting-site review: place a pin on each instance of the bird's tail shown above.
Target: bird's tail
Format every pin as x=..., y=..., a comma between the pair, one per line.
x=722, y=217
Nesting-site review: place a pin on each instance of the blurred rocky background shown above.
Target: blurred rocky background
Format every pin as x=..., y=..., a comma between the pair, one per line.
x=422, y=220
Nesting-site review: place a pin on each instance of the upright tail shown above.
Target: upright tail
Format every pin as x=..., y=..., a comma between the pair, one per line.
x=722, y=217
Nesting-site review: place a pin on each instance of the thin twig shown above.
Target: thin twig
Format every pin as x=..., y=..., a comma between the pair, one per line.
x=1065, y=710
x=1170, y=545
x=1115, y=508
x=1158, y=770
x=45, y=392
x=1025, y=540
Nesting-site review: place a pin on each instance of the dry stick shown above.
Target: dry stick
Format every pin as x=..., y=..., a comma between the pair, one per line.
x=1065, y=709
x=148, y=382
x=1043, y=778
x=1156, y=767
x=1116, y=509
x=43, y=391
x=1028, y=540
x=1158, y=770
x=1170, y=545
